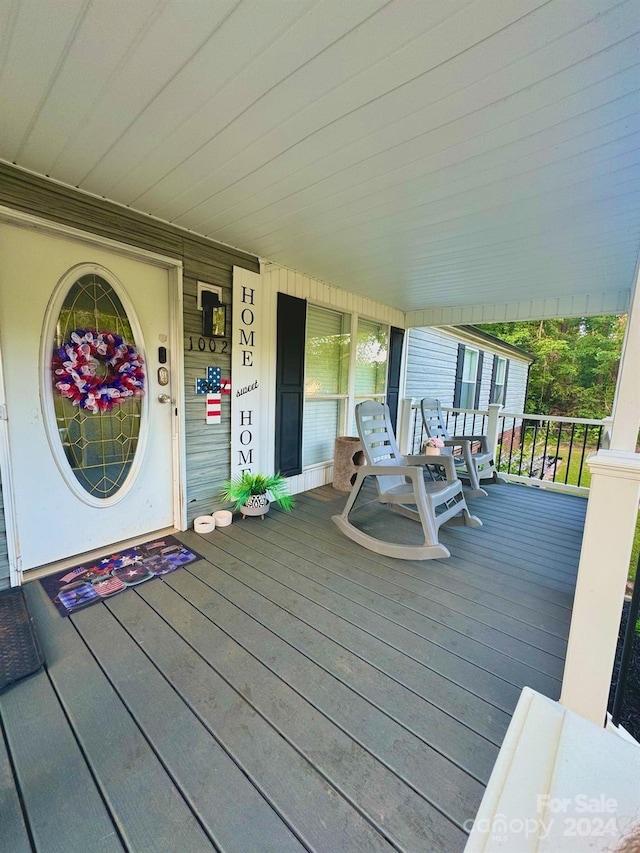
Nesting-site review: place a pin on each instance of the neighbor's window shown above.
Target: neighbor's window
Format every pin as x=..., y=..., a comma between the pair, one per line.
x=326, y=383
x=469, y=379
x=499, y=384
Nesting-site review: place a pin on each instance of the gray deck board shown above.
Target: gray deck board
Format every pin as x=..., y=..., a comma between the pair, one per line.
x=323, y=819
x=213, y=785
x=424, y=768
x=409, y=632
x=292, y=691
x=435, y=727
x=440, y=605
x=52, y=773
x=442, y=583
x=13, y=831
x=113, y=744
x=419, y=664
x=397, y=811
x=486, y=566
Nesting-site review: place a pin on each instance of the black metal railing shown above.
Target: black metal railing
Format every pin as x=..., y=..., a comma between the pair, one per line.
x=554, y=450
x=626, y=659
x=541, y=448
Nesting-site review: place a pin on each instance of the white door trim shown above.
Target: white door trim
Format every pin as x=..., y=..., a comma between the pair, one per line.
x=15, y=568
x=176, y=350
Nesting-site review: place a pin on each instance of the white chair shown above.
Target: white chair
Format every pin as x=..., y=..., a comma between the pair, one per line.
x=473, y=465
x=403, y=488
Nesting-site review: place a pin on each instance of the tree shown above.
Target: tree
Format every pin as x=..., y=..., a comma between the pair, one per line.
x=576, y=362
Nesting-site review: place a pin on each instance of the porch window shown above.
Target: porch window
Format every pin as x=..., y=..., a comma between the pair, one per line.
x=326, y=383
x=372, y=352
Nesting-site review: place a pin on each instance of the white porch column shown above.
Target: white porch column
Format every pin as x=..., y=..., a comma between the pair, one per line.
x=606, y=546
x=405, y=425
x=604, y=563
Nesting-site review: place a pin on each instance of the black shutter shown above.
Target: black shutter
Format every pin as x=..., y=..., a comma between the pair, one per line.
x=396, y=338
x=459, y=367
x=291, y=328
x=492, y=389
x=476, y=399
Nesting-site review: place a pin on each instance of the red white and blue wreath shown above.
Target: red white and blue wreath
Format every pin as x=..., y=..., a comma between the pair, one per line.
x=77, y=374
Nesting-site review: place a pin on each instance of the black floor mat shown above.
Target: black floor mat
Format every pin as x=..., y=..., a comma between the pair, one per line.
x=20, y=653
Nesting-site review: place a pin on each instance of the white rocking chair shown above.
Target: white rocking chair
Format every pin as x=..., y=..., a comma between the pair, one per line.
x=401, y=485
x=474, y=466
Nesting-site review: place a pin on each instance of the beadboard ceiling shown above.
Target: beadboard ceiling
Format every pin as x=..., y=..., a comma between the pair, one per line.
x=420, y=152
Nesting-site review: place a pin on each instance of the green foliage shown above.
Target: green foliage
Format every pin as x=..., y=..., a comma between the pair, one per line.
x=635, y=551
x=239, y=490
x=576, y=363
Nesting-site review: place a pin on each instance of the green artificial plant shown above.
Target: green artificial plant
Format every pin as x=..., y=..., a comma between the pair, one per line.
x=238, y=490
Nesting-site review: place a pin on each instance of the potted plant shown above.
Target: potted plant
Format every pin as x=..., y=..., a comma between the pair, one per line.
x=433, y=446
x=252, y=493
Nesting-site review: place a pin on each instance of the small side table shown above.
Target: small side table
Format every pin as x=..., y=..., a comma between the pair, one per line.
x=347, y=458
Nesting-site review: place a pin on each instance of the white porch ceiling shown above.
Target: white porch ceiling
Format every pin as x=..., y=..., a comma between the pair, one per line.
x=423, y=153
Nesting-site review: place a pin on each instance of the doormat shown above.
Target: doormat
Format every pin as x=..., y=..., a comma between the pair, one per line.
x=20, y=654
x=74, y=589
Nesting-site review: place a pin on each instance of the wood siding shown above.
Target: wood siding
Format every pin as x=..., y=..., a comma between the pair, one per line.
x=431, y=369
x=431, y=365
x=207, y=447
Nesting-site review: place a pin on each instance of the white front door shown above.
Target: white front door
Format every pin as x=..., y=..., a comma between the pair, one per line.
x=98, y=472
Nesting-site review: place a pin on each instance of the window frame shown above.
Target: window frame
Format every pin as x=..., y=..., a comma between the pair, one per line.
x=469, y=355
x=346, y=401
x=493, y=396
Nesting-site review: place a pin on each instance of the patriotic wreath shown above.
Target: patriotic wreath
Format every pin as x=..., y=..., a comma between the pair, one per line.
x=76, y=366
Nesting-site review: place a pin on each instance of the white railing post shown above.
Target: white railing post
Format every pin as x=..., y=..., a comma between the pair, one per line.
x=607, y=426
x=604, y=563
x=405, y=424
x=492, y=427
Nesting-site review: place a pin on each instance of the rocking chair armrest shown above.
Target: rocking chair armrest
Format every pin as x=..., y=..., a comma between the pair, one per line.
x=461, y=440
x=388, y=470
x=444, y=460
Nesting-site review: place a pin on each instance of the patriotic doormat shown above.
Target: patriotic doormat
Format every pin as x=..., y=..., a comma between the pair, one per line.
x=74, y=589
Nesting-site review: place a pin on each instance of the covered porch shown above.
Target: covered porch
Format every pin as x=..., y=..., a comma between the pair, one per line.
x=292, y=691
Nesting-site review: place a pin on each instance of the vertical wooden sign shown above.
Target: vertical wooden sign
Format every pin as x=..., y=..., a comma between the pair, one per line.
x=247, y=374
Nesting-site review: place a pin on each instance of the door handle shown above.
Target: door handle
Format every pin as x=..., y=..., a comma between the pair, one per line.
x=164, y=398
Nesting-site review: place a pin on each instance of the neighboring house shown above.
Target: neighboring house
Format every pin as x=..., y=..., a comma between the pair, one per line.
x=466, y=368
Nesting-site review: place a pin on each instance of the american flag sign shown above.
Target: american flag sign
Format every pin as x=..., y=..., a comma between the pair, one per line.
x=213, y=408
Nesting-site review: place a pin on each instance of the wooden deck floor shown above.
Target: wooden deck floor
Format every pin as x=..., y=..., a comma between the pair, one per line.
x=292, y=691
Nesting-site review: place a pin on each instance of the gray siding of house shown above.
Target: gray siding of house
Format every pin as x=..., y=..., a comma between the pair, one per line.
x=207, y=447
x=516, y=386
x=431, y=365
x=432, y=355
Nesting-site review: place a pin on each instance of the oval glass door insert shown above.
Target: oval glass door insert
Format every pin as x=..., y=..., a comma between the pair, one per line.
x=98, y=382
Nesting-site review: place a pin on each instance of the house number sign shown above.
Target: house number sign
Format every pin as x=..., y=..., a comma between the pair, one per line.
x=203, y=344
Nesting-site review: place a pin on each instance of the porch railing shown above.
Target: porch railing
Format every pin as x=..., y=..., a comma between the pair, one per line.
x=545, y=450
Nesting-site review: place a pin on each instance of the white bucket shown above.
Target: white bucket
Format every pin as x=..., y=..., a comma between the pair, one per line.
x=204, y=524
x=223, y=518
